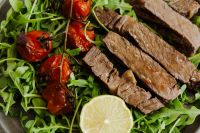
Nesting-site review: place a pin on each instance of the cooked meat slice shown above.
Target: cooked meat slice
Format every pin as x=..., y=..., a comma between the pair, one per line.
x=161, y=51
x=107, y=17
x=145, y=68
x=195, y=80
x=182, y=31
x=131, y=93
x=152, y=44
x=128, y=75
x=125, y=86
x=103, y=68
x=152, y=104
x=187, y=8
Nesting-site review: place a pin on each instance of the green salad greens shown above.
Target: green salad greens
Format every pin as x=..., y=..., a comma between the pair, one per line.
x=20, y=91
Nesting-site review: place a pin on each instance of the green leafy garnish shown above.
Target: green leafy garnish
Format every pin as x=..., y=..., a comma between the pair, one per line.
x=19, y=85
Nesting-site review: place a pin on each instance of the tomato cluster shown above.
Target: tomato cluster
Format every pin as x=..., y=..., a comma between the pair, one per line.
x=76, y=37
x=35, y=46
x=60, y=99
x=80, y=8
x=56, y=68
x=80, y=12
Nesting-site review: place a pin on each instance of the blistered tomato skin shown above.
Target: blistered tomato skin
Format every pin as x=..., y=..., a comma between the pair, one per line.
x=80, y=10
x=56, y=68
x=76, y=37
x=34, y=46
x=59, y=98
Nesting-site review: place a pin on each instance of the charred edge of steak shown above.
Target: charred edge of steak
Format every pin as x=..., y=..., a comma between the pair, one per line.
x=124, y=86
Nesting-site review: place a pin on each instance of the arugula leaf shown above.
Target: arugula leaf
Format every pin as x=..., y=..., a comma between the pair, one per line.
x=168, y=119
x=4, y=46
x=196, y=20
x=39, y=103
x=123, y=7
x=195, y=59
x=17, y=5
x=74, y=52
x=18, y=77
x=28, y=4
x=78, y=83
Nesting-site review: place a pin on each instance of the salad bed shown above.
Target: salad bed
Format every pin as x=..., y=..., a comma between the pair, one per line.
x=21, y=85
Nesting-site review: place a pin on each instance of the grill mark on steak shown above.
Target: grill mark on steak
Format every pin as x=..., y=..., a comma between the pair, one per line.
x=124, y=86
x=145, y=68
x=173, y=61
x=182, y=29
x=187, y=8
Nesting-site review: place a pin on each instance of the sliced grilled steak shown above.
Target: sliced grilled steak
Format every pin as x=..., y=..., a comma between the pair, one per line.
x=152, y=44
x=187, y=8
x=147, y=106
x=145, y=68
x=179, y=29
x=103, y=68
x=131, y=93
x=124, y=86
x=129, y=76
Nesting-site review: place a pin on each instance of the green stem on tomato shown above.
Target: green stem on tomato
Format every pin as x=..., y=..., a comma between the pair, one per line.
x=61, y=64
x=68, y=22
x=66, y=31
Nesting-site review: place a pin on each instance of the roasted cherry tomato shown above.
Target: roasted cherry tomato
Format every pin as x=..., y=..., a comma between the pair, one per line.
x=34, y=46
x=76, y=37
x=56, y=68
x=59, y=98
x=80, y=10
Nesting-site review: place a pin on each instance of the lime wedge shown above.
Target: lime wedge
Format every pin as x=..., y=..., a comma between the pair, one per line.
x=106, y=114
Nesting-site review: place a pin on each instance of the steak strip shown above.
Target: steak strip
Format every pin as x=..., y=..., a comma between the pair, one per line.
x=124, y=86
x=152, y=44
x=170, y=24
x=145, y=68
x=187, y=8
